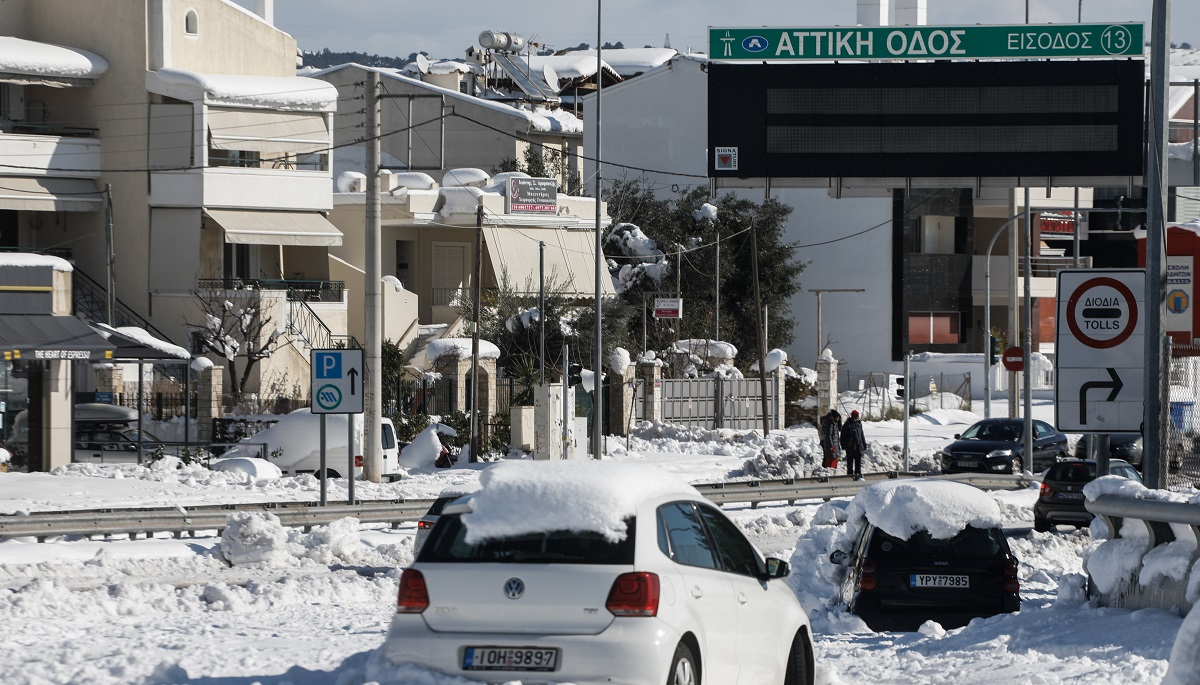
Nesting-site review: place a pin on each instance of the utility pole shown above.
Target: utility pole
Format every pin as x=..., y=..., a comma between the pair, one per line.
x=542, y=312
x=598, y=364
x=1027, y=338
x=373, y=316
x=762, y=341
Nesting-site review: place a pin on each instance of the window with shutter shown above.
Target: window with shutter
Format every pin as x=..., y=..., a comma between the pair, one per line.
x=449, y=272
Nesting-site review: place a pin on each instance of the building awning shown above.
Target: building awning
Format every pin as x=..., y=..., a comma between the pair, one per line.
x=267, y=132
x=570, y=258
x=137, y=344
x=246, y=227
x=29, y=63
x=294, y=93
x=46, y=336
x=49, y=194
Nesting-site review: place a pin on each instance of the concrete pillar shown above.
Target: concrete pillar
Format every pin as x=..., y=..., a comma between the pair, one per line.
x=827, y=390
x=109, y=378
x=58, y=444
x=780, y=381
x=651, y=377
x=210, y=385
x=621, y=391
x=873, y=12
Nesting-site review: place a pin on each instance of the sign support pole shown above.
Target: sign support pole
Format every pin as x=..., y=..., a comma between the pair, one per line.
x=1154, y=388
x=324, y=472
x=1027, y=339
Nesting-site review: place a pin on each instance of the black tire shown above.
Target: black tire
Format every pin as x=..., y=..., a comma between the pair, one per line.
x=800, y=662
x=684, y=668
x=329, y=473
x=1041, y=525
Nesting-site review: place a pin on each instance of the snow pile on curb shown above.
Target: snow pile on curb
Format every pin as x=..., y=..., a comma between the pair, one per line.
x=259, y=538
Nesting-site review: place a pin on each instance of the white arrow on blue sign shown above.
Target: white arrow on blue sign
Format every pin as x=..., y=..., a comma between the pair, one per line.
x=337, y=382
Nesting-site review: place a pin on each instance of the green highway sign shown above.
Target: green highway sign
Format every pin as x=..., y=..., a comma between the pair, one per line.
x=1019, y=41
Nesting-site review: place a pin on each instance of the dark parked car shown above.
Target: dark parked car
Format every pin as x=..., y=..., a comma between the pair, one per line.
x=1124, y=446
x=1061, y=499
x=994, y=446
x=895, y=584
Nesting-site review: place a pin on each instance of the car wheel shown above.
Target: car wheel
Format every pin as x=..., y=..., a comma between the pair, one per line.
x=329, y=473
x=1041, y=525
x=683, y=667
x=800, y=662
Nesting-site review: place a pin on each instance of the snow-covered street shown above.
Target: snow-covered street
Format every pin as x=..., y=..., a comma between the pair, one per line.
x=316, y=605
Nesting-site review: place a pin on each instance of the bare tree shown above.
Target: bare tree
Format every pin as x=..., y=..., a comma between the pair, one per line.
x=235, y=332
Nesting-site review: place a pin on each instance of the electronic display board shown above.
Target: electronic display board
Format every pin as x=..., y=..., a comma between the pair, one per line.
x=964, y=119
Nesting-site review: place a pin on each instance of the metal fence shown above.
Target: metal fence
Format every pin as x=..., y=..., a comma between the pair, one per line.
x=1180, y=440
x=426, y=397
x=715, y=402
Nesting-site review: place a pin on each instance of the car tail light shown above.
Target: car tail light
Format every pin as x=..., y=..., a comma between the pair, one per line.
x=1011, y=585
x=633, y=594
x=358, y=460
x=867, y=580
x=424, y=525
x=413, y=597
x=1046, y=490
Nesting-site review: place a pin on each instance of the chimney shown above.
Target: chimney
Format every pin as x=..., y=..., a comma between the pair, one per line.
x=874, y=12
x=911, y=12
x=266, y=10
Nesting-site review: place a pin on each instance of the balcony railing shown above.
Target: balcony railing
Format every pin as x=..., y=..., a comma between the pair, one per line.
x=1048, y=267
x=297, y=290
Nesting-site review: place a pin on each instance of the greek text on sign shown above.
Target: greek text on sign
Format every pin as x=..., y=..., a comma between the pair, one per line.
x=926, y=42
x=1099, y=350
x=668, y=307
x=532, y=196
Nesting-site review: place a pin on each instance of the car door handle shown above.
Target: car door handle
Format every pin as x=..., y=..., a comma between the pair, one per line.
x=697, y=592
x=741, y=597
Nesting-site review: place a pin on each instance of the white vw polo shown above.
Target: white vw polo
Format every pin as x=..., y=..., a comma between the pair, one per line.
x=596, y=572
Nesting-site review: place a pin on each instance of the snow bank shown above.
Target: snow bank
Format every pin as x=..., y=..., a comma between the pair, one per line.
x=593, y=496
x=1184, y=667
x=619, y=361
x=252, y=467
x=466, y=177
x=254, y=538
x=902, y=507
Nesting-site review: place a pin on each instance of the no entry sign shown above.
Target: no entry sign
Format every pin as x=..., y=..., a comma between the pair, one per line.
x=1014, y=359
x=1100, y=350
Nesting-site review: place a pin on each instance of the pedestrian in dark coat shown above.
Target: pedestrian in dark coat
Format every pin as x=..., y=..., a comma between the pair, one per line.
x=831, y=437
x=855, y=443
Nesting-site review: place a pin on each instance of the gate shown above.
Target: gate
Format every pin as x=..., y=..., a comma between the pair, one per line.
x=715, y=402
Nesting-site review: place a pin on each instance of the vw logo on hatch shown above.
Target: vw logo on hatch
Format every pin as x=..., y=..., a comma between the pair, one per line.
x=754, y=43
x=514, y=588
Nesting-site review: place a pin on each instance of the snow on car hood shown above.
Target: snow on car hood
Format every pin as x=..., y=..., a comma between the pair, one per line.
x=903, y=507
x=516, y=498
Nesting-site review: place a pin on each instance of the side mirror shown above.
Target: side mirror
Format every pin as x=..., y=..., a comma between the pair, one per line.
x=957, y=436
x=777, y=568
x=838, y=557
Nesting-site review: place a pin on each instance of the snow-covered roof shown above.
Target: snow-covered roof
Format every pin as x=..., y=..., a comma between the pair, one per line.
x=267, y=92
x=572, y=65
x=444, y=66
x=538, y=119
x=461, y=348
x=586, y=496
x=31, y=259
x=48, y=61
x=903, y=507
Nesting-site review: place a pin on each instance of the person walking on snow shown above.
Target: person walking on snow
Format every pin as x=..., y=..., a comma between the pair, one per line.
x=855, y=443
x=831, y=437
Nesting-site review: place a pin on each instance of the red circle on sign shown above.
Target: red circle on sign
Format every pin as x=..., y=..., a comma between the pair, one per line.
x=1117, y=339
x=1013, y=359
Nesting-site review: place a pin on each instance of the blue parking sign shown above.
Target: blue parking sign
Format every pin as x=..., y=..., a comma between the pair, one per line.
x=328, y=365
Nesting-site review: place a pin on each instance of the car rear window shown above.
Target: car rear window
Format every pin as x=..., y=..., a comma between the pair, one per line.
x=439, y=504
x=447, y=544
x=1072, y=473
x=970, y=543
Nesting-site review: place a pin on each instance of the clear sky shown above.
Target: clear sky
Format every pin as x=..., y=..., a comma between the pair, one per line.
x=446, y=29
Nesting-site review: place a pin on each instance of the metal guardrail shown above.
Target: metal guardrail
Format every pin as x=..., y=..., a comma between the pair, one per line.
x=180, y=520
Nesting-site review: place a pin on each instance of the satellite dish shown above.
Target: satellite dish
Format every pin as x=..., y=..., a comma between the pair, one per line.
x=551, y=77
x=422, y=63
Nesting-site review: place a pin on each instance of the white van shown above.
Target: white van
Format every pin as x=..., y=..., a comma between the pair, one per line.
x=104, y=434
x=294, y=445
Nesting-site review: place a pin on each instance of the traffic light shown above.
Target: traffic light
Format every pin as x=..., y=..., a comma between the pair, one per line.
x=900, y=382
x=994, y=351
x=574, y=374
